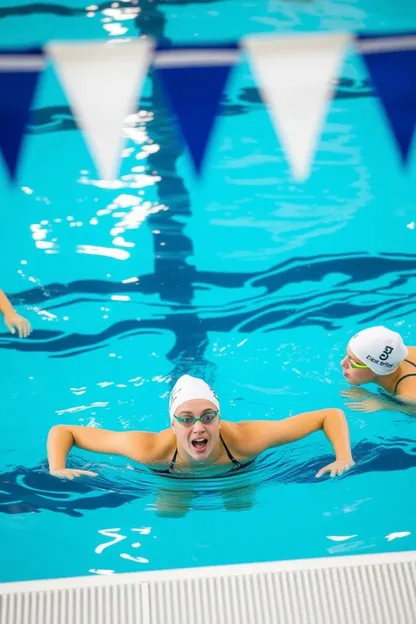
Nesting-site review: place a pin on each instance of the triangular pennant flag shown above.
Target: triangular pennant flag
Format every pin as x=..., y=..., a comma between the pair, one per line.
x=296, y=75
x=19, y=73
x=102, y=83
x=391, y=63
x=194, y=79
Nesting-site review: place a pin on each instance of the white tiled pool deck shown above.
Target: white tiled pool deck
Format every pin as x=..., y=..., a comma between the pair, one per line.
x=360, y=589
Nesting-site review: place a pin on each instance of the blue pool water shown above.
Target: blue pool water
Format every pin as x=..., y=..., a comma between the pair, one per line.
x=250, y=280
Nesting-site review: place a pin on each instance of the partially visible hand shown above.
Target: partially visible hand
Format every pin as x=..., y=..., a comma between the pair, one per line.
x=356, y=393
x=336, y=468
x=15, y=322
x=367, y=405
x=69, y=473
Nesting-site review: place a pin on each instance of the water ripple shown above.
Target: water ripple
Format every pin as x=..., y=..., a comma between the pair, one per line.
x=24, y=490
x=326, y=291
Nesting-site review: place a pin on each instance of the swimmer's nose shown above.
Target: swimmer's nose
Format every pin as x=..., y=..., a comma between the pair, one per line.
x=198, y=427
x=344, y=362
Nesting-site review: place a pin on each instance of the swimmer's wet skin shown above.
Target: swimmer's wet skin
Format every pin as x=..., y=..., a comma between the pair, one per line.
x=199, y=441
x=13, y=321
x=379, y=355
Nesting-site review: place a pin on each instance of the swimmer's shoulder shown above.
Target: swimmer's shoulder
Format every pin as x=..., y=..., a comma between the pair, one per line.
x=405, y=387
x=230, y=429
x=239, y=430
x=146, y=447
x=239, y=438
x=249, y=438
x=411, y=354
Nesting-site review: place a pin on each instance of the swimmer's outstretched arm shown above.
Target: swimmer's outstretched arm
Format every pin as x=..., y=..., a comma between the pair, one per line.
x=12, y=319
x=360, y=400
x=409, y=409
x=5, y=305
x=257, y=436
x=407, y=406
x=137, y=445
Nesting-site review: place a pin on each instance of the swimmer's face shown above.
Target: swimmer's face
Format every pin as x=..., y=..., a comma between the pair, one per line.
x=200, y=438
x=356, y=376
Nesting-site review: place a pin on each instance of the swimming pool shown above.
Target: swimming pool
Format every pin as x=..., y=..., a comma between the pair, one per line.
x=250, y=280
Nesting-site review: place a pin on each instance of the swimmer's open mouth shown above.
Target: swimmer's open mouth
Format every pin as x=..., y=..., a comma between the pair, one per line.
x=200, y=444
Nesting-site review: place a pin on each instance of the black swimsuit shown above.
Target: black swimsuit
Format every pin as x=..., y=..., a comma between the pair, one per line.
x=236, y=464
x=392, y=397
x=404, y=376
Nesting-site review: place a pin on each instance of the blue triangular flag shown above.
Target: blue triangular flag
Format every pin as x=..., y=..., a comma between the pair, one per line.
x=391, y=63
x=193, y=79
x=19, y=72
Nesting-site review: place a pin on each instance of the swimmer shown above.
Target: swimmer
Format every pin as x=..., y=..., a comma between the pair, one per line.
x=378, y=355
x=12, y=319
x=199, y=441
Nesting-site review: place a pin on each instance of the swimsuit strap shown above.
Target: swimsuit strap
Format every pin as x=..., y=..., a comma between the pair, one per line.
x=172, y=462
x=230, y=455
x=404, y=376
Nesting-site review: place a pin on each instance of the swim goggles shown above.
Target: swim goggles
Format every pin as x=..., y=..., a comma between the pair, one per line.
x=356, y=365
x=207, y=418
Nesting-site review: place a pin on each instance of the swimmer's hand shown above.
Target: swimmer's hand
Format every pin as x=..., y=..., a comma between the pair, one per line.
x=356, y=393
x=69, y=473
x=368, y=405
x=15, y=322
x=336, y=468
x=363, y=400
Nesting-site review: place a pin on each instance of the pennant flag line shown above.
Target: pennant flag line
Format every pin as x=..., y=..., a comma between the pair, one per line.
x=167, y=55
x=102, y=83
x=391, y=64
x=21, y=62
x=19, y=74
x=194, y=81
x=296, y=77
x=382, y=43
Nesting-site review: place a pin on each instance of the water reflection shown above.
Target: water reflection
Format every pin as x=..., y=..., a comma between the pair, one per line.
x=116, y=536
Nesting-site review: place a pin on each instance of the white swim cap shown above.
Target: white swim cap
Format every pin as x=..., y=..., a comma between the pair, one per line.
x=380, y=348
x=188, y=388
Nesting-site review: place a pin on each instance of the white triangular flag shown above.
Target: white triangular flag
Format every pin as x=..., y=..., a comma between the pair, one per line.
x=103, y=82
x=296, y=76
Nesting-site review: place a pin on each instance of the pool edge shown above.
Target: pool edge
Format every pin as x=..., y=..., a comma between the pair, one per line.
x=364, y=588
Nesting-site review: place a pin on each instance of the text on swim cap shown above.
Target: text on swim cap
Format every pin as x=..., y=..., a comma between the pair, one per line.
x=385, y=355
x=379, y=362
